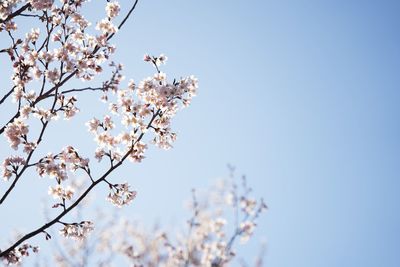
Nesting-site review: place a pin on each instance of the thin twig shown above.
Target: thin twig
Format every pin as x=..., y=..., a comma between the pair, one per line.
x=83, y=89
x=7, y=95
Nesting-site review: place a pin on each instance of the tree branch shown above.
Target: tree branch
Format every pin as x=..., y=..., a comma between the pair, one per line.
x=15, y=13
x=50, y=91
x=7, y=95
x=3, y=198
x=83, y=89
x=125, y=19
x=18, y=176
x=90, y=188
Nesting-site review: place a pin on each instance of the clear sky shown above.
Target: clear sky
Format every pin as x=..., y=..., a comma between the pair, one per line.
x=301, y=96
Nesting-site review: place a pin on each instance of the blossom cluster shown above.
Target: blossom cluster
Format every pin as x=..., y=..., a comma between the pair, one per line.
x=71, y=52
x=16, y=255
x=74, y=50
x=6, y=7
x=10, y=165
x=58, y=192
x=41, y=4
x=16, y=133
x=120, y=195
x=77, y=231
x=67, y=105
x=112, y=9
x=148, y=106
x=57, y=165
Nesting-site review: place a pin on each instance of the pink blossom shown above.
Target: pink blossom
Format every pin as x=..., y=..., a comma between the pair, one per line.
x=41, y=4
x=112, y=9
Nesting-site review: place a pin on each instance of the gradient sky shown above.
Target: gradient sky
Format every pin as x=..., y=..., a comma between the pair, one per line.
x=301, y=96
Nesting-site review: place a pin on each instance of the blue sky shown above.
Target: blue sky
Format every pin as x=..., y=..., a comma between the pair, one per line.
x=302, y=97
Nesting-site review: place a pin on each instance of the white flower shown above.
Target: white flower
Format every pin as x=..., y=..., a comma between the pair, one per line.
x=29, y=147
x=137, y=154
x=33, y=35
x=248, y=205
x=108, y=123
x=53, y=75
x=247, y=229
x=93, y=124
x=161, y=59
x=99, y=154
x=58, y=192
x=106, y=26
x=112, y=9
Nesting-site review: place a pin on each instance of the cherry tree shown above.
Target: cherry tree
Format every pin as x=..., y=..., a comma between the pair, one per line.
x=44, y=61
x=60, y=49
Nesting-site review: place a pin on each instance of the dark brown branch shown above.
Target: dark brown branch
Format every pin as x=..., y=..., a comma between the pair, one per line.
x=30, y=15
x=6, y=95
x=10, y=121
x=15, y=13
x=66, y=211
x=125, y=19
x=83, y=89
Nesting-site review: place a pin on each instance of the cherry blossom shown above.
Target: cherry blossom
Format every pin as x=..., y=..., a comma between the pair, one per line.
x=77, y=231
x=58, y=192
x=41, y=4
x=58, y=49
x=16, y=132
x=10, y=165
x=112, y=9
x=120, y=195
x=15, y=256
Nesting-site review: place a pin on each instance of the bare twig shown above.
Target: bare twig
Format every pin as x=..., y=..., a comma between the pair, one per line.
x=6, y=95
x=83, y=89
